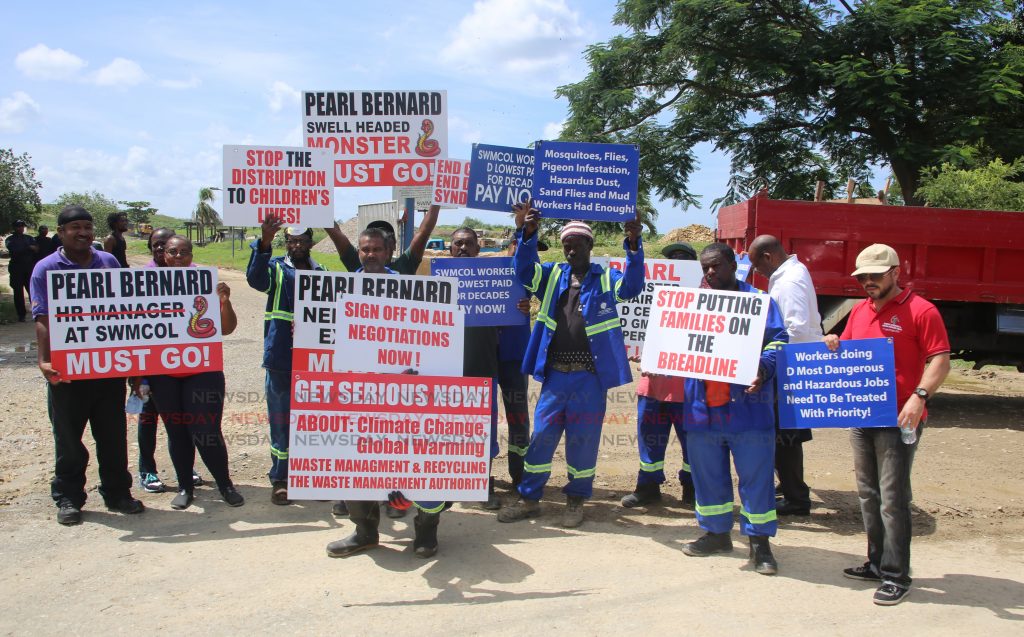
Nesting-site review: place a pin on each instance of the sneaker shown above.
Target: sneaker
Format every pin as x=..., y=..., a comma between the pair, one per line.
x=279, y=493
x=67, y=513
x=889, y=594
x=709, y=544
x=127, y=505
x=151, y=483
x=519, y=510
x=232, y=497
x=197, y=480
x=864, y=573
x=573, y=515
x=339, y=509
x=182, y=501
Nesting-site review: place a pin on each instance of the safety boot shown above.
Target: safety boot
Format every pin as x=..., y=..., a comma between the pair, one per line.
x=519, y=510
x=689, y=496
x=573, y=515
x=366, y=516
x=709, y=544
x=761, y=555
x=425, y=541
x=644, y=494
x=493, y=502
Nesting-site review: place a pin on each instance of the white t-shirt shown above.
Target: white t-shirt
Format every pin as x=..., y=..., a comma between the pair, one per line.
x=792, y=289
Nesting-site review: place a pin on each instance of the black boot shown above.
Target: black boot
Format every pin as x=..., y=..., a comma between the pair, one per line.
x=643, y=495
x=709, y=544
x=761, y=555
x=493, y=502
x=689, y=497
x=425, y=542
x=366, y=516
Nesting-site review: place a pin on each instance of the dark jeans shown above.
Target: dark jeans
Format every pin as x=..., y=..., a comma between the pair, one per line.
x=514, y=387
x=19, y=285
x=882, y=464
x=789, y=465
x=191, y=408
x=279, y=411
x=100, y=402
x=147, y=436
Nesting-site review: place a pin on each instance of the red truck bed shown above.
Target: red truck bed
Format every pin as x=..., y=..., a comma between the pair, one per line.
x=947, y=254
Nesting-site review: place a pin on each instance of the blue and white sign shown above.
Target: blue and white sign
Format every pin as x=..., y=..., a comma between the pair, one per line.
x=597, y=182
x=499, y=177
x=854, y=386
x=742, y=267
x=488, y=289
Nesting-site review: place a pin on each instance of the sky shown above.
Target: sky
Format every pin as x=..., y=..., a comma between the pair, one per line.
x=135, y=100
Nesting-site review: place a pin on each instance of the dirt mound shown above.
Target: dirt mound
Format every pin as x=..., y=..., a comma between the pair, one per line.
x=693, y=233
x=351, y=230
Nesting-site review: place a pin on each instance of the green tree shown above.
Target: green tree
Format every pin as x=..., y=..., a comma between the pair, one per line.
x=204, y=213
x=98, y=204
x=472, y=222
x=797, y=91
x=138, y=211
x=19, y=189
x=992, y=186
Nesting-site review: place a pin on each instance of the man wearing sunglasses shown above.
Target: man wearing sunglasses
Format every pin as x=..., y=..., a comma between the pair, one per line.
x=882, y=461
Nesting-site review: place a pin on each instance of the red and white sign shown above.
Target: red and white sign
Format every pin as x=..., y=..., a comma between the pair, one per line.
x=295, y=184
x=633, y=313
x=134, y=321
x=703, y=333
x=361, y=436
x=451, y=183
x=379, y=138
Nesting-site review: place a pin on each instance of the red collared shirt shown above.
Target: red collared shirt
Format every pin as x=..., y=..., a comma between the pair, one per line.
x=917, y=333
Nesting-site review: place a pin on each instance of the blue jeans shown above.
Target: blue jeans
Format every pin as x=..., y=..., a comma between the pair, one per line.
x=279, y=411
x=882, y=464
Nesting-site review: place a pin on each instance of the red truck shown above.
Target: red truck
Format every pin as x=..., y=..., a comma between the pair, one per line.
x=969, y=263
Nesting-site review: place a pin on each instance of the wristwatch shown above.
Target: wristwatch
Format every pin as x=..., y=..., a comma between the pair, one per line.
x=922, y=393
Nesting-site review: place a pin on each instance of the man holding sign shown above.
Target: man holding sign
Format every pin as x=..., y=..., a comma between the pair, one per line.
x=881, y=459
x=731, y=418
x=576, y=351
x=98, y=401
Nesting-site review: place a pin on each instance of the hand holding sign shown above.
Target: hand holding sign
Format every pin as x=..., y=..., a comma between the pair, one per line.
x=270, y=226
x=633, y=230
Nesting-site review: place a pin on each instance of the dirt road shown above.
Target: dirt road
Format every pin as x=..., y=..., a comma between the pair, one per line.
x=262, y=568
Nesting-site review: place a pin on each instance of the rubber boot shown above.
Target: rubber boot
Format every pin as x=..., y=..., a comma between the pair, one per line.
x=425, y=541
x=366, y=516
x=515, y=468
x=643, y=495
x=689, y=496
x=493, y=502
x=761, y=555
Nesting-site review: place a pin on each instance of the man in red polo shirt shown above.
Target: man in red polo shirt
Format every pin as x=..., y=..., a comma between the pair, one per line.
x=882, y=461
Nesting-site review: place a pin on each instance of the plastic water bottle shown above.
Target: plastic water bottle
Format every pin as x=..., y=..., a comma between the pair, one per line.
x=908, y=435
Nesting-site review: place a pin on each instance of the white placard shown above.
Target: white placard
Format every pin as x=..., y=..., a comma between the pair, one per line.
x=294, y=184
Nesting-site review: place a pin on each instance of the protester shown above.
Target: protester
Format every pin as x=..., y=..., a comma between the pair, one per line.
x=22, y=250
x=881, y=459
x=275, y=277
x=373, y=253
x=577, y=351
x=409, y=261
x=45, y=244
x=659, y=410
x=790, y=286
x=723, y=419
x=192, y=405
x=71, y=404
x=115, y=243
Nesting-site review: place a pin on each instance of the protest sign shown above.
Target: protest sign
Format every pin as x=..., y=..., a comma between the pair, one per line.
x=499, y=177
x=316, y=297
x=421, y=194
x=390, y=336
x=703, y=333
x=586, y=181
x=634, y=312
x=134, y=321
x=378, y=138
x=488, y=289
x=451, y=183
x=742, y=267
x=361, y=436
x=852, y=387
x=295, y=184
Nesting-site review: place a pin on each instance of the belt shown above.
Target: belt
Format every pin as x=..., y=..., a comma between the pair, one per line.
x=572, y=367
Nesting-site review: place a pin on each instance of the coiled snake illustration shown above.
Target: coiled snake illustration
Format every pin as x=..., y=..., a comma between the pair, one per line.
x=426, y=147
x=199, y=327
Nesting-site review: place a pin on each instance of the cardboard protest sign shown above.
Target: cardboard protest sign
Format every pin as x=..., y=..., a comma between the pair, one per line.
x=852, y=387
x=488, y=289
x=421, y=194
x=499, y=177
x=634, y=312
x=295, y=184
x=316, y=301
x=378, y=138
x=361, y=436
x=451, y=183
x=703, y=333
x=134, y=321
x=390, y=336
x=575, y=180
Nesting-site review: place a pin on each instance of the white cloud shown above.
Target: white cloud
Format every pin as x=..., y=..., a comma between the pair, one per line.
x=283, y=95
x=17, y=111
x=462, y=130
x=43, y=63
x=120, y=72
x=552, y=130
x=515, y=37
x=179, y=85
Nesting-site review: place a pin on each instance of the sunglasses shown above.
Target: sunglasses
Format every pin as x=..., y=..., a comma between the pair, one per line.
x=875, y=276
